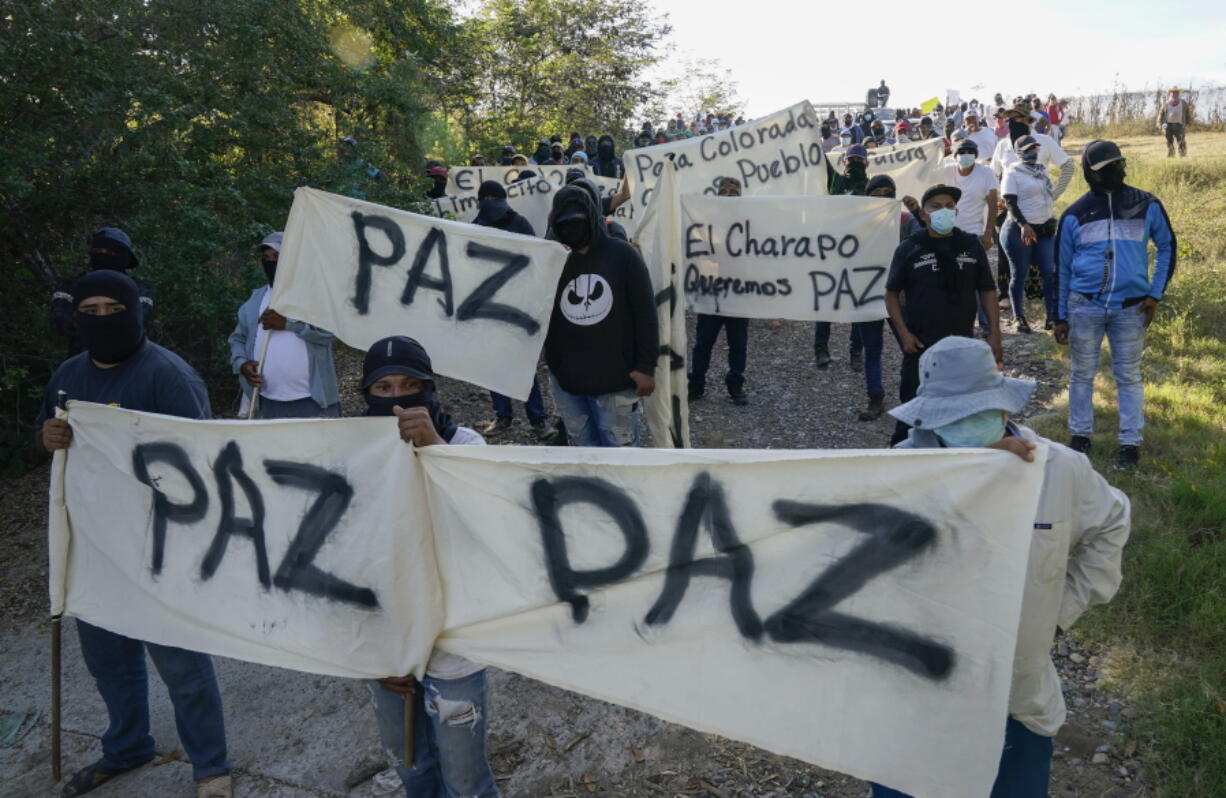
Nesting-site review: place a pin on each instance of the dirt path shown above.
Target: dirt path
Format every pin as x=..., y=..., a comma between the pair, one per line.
x=300, y=735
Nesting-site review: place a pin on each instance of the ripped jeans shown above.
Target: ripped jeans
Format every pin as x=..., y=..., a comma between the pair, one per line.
x=449, y=756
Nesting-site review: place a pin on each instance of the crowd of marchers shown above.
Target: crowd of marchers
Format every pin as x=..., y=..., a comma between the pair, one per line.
x=1098, y=280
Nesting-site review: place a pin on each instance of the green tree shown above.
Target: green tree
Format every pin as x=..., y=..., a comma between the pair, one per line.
x=189, y=125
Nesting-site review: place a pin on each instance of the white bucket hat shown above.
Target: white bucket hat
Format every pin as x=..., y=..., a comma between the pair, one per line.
x=958, y=378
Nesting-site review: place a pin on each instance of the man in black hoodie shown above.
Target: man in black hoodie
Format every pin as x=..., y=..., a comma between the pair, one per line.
x=494, y=211
x=603, y=339
x=605, y=163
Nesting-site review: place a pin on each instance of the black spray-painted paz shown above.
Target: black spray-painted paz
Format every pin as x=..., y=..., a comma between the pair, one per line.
x=894, y=536
x=297, y=570
x=479, y=304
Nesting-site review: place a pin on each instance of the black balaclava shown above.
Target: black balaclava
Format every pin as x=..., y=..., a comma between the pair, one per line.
x=856, y=172
x=604, y=148
x=115, y=337
x=592, y=145
x=270, y=268
x=575, y=219
x=542, y=153
x=118, y=258
x=1017, y=129
x=400, y=354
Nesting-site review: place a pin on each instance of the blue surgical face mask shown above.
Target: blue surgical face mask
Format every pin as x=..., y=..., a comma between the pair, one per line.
x=978, y=430
x=966, y=160
x=942, y=221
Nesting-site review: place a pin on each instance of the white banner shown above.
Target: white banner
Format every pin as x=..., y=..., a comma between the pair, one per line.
x=531, y=198
x=857, y=610
x=777, y=154
x=801, y=258
x=668, y=408
x=467, y=179
x=298, y=544
x=915, y=166
x=477, y=298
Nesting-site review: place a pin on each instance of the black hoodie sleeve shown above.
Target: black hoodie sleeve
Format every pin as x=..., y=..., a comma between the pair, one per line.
x=642, y=302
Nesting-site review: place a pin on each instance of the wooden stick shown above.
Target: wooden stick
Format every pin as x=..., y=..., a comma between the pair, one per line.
x=409, y=707
x=57, y=637
x=255, y=392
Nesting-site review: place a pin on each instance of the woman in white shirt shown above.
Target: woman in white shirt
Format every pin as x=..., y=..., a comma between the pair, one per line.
x=449, y=752
x=1029, y=233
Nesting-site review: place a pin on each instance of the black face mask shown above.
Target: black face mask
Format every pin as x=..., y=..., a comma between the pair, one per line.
x=1111, y=177
x=113, y=338
x=1017, y=129
x=114, y=261
x=857, y=170
x=426, y=397
x=270, y=269
x=574, y=233
x=605, y=151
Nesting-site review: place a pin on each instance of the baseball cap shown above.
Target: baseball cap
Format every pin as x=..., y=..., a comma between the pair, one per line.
x=968, y=145
x=1100, y=153
x=272, y=241
x=952, y=191
x=1024, y=143
x=857, y=151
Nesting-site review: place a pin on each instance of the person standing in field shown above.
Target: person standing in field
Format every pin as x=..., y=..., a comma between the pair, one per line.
x=1173, y=119
x=1105, y=288
x=1029, y=232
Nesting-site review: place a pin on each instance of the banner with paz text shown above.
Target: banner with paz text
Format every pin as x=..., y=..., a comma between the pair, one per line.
x=478, y=299
x=857, y=610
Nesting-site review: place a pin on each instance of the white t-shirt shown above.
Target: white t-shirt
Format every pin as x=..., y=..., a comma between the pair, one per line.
x=1033, y=195
x=287, y=368
x=443, y=665
x=976, y=186
x=986, y=141
x=1050, y=154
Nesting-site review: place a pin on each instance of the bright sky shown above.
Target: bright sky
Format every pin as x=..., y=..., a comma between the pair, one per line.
x=782, y=51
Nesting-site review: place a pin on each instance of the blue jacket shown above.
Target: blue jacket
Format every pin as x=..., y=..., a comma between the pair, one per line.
x=318, y=343
x=1102, y=249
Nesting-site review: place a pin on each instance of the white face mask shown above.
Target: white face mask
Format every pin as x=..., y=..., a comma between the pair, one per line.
x=966, y=160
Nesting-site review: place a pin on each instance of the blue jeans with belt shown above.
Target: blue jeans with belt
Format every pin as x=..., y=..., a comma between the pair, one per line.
x=1025, y=766
x=1042, y=254
x=117, y=664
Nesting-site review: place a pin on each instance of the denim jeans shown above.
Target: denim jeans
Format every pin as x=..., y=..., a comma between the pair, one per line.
x=117, y=664
x=608, y=420
x=871, y=335
x=908, y=386
x=1042, y=254
x=821, y=337
x=296, y=408
x=534, y=407
x=1125, y=332
x=449, y=756
x=736, y=331
x=1025, y=766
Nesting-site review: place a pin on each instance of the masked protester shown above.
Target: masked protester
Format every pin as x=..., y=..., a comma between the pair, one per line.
x=109, y=249
x=606, y=163
x=541, y=156
x=603, y=340
x=508, y=156
x=1019, y=120
x=449, y=704
x=1081, y=525
x=938, y=273
x=1106, y=289
x=120, y=366
x=438, y=177
x=1029, y=232
x=736, y=332
x=1173, y=119
x=298, y=377
x=494, y=211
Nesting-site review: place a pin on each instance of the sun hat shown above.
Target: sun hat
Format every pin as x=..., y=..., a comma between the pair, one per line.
x=958, y=378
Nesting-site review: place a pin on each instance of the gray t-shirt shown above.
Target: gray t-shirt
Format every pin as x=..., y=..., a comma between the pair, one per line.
x=154, y=380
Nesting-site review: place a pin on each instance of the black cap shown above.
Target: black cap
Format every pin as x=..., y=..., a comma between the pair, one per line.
x=881, y=181
x=952, y=191
x=491, y=188
x=967, y=145
x=1100, y=153
x=1024, y=143
x=398, y=354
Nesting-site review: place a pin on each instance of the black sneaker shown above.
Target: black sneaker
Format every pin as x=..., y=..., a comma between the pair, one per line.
x=1023, y=326
x=856, y=361
x=695, y=392
x=1080, y=444
x=876, y=406
x=1127, y=458
x=822, y=356
x=738, y=397
x=497, y=427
